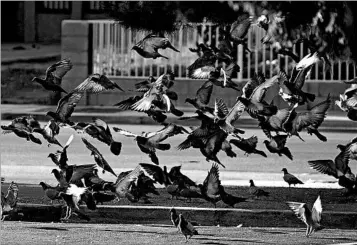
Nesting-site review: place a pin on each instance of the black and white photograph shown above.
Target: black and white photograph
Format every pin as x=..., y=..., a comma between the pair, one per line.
x=178, y=122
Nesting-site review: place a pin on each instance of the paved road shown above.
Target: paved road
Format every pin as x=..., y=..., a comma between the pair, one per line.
x=62, y=233
x=26, y=162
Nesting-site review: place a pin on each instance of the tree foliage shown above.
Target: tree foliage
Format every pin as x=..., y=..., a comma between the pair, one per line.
x=329, y=26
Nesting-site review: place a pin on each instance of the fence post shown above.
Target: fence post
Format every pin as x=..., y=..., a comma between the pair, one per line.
x=75, y=45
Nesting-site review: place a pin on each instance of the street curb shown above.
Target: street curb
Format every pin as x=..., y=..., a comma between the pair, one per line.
x=202, y=216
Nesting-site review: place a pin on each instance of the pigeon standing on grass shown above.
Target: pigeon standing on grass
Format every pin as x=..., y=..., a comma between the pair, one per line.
x=290, y=179
x=255, y=191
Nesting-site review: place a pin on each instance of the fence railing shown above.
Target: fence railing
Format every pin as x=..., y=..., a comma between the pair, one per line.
x=54, y=6
x=112, y=54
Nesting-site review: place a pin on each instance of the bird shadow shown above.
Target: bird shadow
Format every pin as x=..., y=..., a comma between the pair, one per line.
x=225, y=240
x=141, y=232
x=50, y=228
x=338, y=239
x=215, y=243
x=269, y=232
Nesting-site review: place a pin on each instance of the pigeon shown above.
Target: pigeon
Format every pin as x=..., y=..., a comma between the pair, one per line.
x=277, y=145
x=51, y=192
x=255, y=105
x=290, y=179
x=224, y=79
x=176, y=175
x=348, y=103
x=20, y=126
x=310, y=120
x=225, y=118
x=337, y=168
x=148, y=143
x=228, y=198
x=121, y=188
x=9, y=201
x=239, y=28
x=186, y=228
x=101, y=197
x=248, y=145
x=49, y=132
x=54, y=75
x=156, y=95
x=256, y=191
x=210, y=187
x=148, y=47
x=202, y=98
x=95, y=183
x=62, y=160
x=311, y=218
x=174, y=217
x=72, y=196
x=202, y=67
x=97, y=83
x=98, y=157
x=275, y=122
x=352, y=148
x=100, y=130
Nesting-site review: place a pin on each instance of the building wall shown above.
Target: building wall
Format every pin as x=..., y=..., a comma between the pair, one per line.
x=49, y=27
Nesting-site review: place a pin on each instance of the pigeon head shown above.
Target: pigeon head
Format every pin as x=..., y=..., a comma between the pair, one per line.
x=284, y=170
x=173, y=210
x=189, y=100
x=340, y=147
x=44, y=186
x=266, y=142
x=251, y=182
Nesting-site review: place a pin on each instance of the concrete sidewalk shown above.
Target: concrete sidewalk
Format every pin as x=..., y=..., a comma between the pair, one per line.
x=335, y=120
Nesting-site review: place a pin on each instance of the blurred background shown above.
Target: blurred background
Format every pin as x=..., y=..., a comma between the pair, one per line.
x=35, y=34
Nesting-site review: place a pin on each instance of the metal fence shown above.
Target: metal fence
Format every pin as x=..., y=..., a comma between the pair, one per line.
x=54, y=6
x=112, y=54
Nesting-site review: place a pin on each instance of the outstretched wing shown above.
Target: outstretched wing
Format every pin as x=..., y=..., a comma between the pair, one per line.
x=300, y=210
x=235, y=112
x=124, y=132
x=317, y=210
x=212, y=181
x=97, y=83
x=220, y=108
x=59, y=69
x=259, y=93
x=204, y=92
x=324, y=166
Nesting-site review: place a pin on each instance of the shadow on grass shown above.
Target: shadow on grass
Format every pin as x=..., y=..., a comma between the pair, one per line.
x=221, y=239
x=269, y=232
x=142, y=232
x=338, y=239
x=50, y=228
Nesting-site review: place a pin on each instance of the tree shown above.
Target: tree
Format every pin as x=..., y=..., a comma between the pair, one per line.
x=329, y=26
